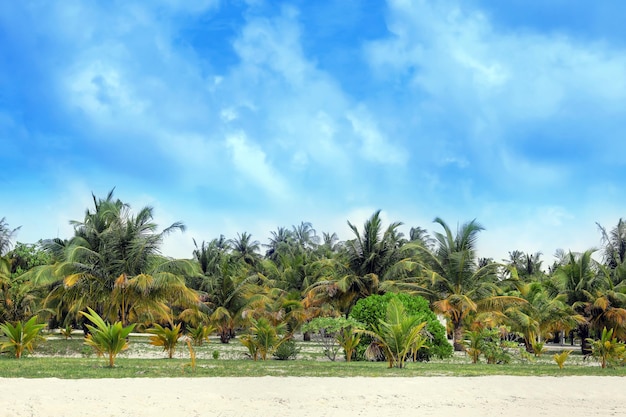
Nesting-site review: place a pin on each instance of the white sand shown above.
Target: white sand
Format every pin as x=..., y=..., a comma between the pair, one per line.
x=290, y=397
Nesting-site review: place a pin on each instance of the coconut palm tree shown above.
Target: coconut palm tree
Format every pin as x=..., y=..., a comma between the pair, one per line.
x=113, y=265
x=614, y=244
x=588, y=288
x=455, y=283
x=6, y=236
x=280, y=241
x=541, y=316
x=246, y=249
x=372, y=257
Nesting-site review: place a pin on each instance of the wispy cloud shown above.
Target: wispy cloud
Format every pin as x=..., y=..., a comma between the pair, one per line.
x=314, y=111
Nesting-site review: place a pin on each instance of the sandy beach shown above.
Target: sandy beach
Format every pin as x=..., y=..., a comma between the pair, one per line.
x=302, y=397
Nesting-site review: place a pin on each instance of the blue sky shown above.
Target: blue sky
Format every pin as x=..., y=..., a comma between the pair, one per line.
x=246, y=115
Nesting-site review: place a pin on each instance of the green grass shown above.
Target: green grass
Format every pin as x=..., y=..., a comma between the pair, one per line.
x=69, y=359
x=70, y=368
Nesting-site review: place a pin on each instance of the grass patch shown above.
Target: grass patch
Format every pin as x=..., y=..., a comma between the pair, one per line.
x=71, y=359
x=71, y=368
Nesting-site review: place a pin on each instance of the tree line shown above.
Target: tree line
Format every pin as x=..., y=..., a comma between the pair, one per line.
x=112, y=265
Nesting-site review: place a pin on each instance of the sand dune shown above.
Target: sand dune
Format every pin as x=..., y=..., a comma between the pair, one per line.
x=302, y=397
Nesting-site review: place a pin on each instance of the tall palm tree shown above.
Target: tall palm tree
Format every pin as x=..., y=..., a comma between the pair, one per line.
x=455, y=283
x=246, y=249
x=543, y=314
x=373, y=256
x=6, y=236
x=588, y=288
x=614, y=244
x=305, y=236
x=112, y=251
x=280, y=241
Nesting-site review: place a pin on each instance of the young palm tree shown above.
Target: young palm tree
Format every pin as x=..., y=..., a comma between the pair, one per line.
x=165, y=337
x=21, y=336
x=398, y=335
x=106, y=339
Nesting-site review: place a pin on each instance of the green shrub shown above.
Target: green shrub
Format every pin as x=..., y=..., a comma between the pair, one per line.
x=398, y=336
x=371, y=310
x=488, y=343
x=286, y=350
x=336, y=333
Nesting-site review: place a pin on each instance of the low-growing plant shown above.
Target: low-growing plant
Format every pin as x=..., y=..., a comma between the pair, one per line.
x=106, y=338
x=349, y=339
x=538, y=348
x=372, y=309
x=165, y=337
x=525, y=355
x=286, y=350
x=607, y=350
x=216, y=354
x=497, y=350
x=253, y=349
x=192, y=358
x=560, y=358
x=490, y=344
x=397, y=335
x=67, y=331
x=263, y=338
x=22, y=336
x=336, y=333
x=474, y=340
x=200, y=334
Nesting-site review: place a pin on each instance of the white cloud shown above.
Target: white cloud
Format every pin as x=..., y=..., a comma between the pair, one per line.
x=250, y=160
x=375, y=146
x=491, y=82
x=101, y=91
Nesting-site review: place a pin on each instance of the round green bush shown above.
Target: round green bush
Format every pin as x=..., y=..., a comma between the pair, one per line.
x=373, y=308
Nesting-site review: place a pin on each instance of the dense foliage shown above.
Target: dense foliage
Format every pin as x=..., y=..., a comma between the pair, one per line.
x=266, y=293
x=371, y=310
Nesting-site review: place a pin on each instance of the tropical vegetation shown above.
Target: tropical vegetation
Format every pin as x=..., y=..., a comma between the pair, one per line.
x=411, y=297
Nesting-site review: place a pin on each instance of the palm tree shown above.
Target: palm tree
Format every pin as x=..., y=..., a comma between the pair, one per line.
x=372, y=257
x=588, y=288
x=397, y=335
x=527, y=265
x=6, y=236
x=246, y=249
x=113, y=265
x=280, y=241
x=455, y=283
x=614, y=249
x=541, y=316
x=225, y=294
x=305, y=236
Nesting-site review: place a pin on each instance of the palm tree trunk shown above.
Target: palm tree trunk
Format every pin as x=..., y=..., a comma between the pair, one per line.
x=457, y=336
x=585, y=346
